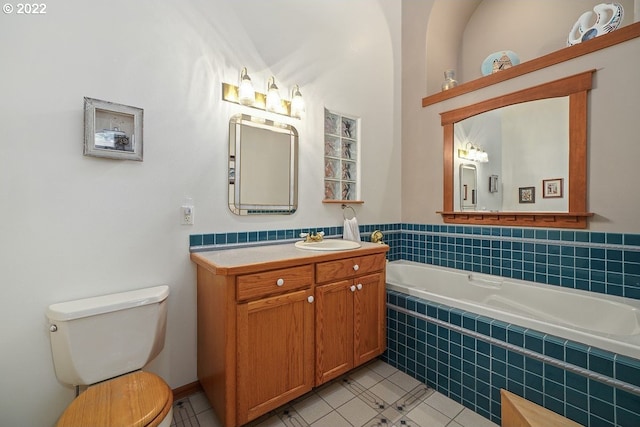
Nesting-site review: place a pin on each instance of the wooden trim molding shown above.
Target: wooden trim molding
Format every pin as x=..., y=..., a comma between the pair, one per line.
x=581, y=82
x=519, y=219
x=613, y=38
x=186, y=390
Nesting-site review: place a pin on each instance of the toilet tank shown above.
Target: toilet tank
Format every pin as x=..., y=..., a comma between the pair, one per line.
x=98, y=338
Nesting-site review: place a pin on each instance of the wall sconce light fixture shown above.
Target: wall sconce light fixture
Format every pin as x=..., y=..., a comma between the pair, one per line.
x=245, y=94
x=474, y=153
x=297, y=103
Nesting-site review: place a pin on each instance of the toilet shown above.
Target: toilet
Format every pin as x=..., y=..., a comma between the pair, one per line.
x=103, y=342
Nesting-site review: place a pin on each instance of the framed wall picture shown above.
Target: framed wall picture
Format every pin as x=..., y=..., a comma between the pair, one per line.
x=552, y=188
x=527, y=194
x=493, y=183
x=112, y=130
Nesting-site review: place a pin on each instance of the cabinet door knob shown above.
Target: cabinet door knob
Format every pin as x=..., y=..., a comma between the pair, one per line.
x=280, y=282
x=359, y=286
x=356, y=267
x=353, y=288
x=310, y=299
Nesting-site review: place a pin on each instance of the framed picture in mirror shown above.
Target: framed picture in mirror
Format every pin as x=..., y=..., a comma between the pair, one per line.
x=552, y=188
x=527, y=194
x=493, y=183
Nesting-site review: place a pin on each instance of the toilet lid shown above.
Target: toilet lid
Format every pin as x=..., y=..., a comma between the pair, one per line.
x=136, y=399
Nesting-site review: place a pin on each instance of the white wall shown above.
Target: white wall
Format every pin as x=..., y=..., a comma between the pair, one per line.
x=483, y=130
x=612, y=134
x=74, y=226
x=463, y=33
x=536, y=136
x=415, y=16
x=530, y=28
x=445, y=31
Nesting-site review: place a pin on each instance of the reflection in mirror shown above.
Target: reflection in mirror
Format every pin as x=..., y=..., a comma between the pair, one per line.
x=572, y=90
x=525, y=144
x=468, y=187
x=263, y=166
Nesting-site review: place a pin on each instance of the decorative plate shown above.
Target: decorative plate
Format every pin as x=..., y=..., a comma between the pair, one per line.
x=608, y=17
x=499, y=61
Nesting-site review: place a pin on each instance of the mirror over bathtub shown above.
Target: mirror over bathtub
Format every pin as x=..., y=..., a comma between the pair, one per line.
x=561, y=106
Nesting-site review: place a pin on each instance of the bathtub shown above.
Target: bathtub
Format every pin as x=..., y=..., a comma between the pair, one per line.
x=607, y=322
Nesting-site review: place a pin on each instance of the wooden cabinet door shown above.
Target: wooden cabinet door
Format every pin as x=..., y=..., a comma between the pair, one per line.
x=334, y=330
x=275, y=338
x=369, y=317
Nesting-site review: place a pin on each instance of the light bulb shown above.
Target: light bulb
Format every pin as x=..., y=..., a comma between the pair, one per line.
x=473, y=153
x=246, y=93
x=297, y=103
x=274, y=103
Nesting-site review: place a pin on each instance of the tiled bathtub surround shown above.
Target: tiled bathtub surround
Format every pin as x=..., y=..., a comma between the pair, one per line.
x=607, y=263
x=459, y=357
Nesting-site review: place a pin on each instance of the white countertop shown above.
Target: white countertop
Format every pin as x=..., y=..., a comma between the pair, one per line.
x=253, y=258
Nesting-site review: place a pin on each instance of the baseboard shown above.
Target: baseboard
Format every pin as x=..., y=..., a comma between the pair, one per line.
x=185, y=390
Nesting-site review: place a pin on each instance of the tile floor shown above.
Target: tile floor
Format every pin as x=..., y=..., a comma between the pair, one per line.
x=376, y=394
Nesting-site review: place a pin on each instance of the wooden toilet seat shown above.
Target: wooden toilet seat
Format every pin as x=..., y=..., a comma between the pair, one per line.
x=139, y=399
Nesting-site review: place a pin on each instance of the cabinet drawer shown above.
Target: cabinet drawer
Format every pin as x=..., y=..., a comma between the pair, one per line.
x=266, y=283
x=347, y=268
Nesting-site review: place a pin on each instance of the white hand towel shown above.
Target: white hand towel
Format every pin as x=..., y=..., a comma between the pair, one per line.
x=351, y=230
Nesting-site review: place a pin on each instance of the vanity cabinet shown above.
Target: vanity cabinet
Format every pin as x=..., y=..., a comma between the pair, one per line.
x=272, y=319
x=350, y=314
x=274, y=339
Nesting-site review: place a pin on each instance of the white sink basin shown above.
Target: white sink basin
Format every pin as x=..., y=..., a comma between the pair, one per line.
x=328, y=245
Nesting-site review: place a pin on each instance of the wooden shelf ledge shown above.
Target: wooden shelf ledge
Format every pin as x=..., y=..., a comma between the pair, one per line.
x=618, y=36
x=520, y=219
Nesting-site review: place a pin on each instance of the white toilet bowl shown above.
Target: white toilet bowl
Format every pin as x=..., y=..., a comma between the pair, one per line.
x=103, y=342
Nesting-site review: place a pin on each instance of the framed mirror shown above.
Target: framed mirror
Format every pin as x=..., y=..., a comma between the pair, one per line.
x=263, y=166
x=573, y=91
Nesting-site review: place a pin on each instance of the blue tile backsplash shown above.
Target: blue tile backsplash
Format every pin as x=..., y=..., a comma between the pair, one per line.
x=217, y=241
x=606, y=263
x=469, y=357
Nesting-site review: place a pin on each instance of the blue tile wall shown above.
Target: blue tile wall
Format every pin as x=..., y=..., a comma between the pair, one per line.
x=220, y=241
x=606, y=263
x=472, y=371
